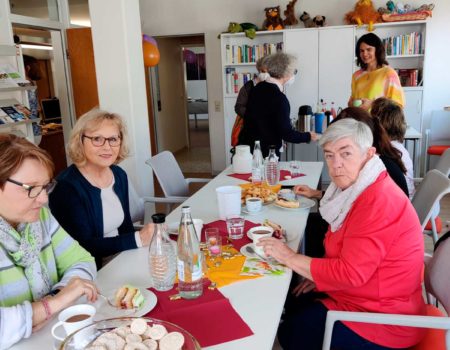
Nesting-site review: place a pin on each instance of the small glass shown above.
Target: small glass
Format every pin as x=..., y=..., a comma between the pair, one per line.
x=235, y=226
x=214, y=244
x=294, y=167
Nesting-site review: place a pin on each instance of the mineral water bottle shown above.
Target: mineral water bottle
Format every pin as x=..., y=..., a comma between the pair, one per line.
x=190, y=284
x=257, y=164
x=272, y=168
x=161, y=256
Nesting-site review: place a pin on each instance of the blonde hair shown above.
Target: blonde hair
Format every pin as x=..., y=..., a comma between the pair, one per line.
x=13, y=152
x=91, y=121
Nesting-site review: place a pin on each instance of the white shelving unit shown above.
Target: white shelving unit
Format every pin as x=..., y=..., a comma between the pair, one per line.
x=14, y=95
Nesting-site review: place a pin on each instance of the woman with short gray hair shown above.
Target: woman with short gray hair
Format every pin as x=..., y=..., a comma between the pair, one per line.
x=267, y=117
x=374, y=236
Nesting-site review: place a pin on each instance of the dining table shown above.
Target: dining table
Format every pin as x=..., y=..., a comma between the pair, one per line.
x=259, y=302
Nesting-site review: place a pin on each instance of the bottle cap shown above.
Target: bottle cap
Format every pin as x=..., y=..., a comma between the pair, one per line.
x=185, y=209
x=159, y=218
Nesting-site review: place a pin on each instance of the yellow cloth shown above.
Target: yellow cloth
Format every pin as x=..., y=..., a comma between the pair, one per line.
x=382, y=82
x=229, y=271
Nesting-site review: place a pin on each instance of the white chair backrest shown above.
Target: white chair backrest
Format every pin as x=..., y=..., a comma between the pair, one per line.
x=137, y=211
x=433, y=187
x=169, y=174
x=443, y=164
x=440, y=127
x=437, y=278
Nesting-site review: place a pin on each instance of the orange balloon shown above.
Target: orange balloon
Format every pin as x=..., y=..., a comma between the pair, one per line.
x=151, y=54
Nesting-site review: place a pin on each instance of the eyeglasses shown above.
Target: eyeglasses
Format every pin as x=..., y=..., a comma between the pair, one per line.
x=34, y=191
x=99, y=141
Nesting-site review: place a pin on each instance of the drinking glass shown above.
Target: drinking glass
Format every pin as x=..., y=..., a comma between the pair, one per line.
x=235, y=226
x=214, y=244
x=294, y=168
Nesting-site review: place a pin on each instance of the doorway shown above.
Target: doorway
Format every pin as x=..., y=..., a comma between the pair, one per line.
x=180, y=102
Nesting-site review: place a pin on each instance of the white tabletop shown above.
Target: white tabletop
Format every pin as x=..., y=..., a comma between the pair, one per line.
x=259, y=301
x=412, y=133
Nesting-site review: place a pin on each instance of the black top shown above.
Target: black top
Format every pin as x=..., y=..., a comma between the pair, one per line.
x=267, y=119
x=395, y=173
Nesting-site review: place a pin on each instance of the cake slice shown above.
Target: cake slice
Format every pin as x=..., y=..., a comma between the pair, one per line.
x=128, y=297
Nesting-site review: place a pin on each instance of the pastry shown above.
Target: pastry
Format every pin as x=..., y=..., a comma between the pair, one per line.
x=287, y=203
x=128, y=297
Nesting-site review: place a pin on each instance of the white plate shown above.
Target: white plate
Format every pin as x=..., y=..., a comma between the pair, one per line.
x=104, y=310
x=244, y=252
x=305, y=203
x=244, y=210
x=172, y=228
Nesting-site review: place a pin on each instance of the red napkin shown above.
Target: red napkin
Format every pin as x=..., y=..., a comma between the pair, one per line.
x=283, y=174
x=222, y=226
x=210, y=318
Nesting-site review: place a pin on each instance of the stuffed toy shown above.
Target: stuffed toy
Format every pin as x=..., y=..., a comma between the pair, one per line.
x=290, y=19
x=307, y=20
x=319, y=21
x=364, y=13
x=273, y=19
x=248, y=28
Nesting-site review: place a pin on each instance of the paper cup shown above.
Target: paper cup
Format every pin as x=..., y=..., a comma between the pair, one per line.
x=229, y=201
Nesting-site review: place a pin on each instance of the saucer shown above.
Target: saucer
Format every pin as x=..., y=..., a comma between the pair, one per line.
x=246, y=212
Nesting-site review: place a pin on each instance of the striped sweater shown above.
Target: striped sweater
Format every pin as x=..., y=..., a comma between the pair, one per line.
x=64, y=259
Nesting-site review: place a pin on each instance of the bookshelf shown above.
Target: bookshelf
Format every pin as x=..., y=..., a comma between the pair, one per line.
x=13, y=94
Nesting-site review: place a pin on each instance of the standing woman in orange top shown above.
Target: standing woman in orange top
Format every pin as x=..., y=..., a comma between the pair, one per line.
x=375, y=78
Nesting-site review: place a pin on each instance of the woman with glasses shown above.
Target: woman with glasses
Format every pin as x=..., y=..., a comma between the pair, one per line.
x=42, y=269
x=91, y=199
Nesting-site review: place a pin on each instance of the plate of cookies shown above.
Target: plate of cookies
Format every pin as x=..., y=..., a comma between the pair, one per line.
x=131, y=333
x=268, y=194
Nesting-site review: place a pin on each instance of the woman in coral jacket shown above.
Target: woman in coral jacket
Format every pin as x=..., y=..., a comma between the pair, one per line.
x=373, y=252
x=375, y=78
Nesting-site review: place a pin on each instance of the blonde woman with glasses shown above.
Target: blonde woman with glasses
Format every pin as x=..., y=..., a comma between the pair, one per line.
x=91, y=199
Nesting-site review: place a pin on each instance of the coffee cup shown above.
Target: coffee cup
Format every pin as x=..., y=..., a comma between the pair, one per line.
x=256, y=234
x=253, y=204
x=73, y=318
x=357, y=103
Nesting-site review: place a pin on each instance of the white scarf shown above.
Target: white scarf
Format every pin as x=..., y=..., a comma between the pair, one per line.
x=336, y=203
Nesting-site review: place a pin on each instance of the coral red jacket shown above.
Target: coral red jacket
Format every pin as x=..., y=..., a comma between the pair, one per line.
x=373, y=263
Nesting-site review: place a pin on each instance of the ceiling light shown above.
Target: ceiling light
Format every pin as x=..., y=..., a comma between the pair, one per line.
x=36, y=47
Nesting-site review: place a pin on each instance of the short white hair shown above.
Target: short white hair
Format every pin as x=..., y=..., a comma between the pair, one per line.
x=357, y=131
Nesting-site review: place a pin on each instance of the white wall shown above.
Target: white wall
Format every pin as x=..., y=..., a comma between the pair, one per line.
x=196, y=89
x=171, y=123
x=174, y=17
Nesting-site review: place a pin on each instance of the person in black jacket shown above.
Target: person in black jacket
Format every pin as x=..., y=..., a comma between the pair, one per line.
x=267, y=117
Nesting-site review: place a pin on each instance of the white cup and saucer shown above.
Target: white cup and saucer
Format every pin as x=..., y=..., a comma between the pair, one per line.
x=72, y=319
x=253, y=206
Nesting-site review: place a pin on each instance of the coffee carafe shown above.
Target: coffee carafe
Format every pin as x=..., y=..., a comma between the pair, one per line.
x=304, y=118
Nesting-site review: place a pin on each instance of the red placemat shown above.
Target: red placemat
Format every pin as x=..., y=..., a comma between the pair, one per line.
x=283, y=174
x=222, y=226
x=216, y=321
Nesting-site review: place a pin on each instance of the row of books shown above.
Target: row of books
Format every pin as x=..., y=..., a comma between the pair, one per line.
x=250, y=53
x=234, y=81
x=410, y=77
x=407, y=44
x=14, y=114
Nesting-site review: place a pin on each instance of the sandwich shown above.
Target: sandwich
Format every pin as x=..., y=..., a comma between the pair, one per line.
x=128, y=297
x=287, y=203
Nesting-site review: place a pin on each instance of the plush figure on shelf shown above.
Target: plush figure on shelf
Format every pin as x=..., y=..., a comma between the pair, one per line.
x=390, y=6
x=248, y=28
x=307, y=20
x=364, y=13
x=290, y=19
x=319, y=21
x=273, y=19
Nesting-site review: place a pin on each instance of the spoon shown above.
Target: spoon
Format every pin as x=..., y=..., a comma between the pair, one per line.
x=250, y=250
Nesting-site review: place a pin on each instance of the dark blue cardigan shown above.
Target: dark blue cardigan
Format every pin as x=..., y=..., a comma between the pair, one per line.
x=77, y=206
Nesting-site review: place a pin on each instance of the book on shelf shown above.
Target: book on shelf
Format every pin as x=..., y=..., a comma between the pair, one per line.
x=244, y=53
x=9, y=77
x=13, y=114
x=410, y=77
x=235, y=80
x=407, y=44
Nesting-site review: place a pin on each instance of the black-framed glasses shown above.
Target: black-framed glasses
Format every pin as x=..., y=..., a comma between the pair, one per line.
x=35, y=190
x=99, y=141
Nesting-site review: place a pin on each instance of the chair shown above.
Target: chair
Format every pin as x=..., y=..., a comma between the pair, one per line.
x=437, y=284
x=173, y=183
x=434, y=186
x=437, y=138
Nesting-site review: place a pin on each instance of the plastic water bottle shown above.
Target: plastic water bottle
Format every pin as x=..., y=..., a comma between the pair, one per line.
x=257, y=164
x=189, y=261
x=161, y=256
x=272, y=168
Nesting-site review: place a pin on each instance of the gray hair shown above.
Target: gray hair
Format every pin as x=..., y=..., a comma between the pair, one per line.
x=281, y=65
x=357, y=131
x=261, y=64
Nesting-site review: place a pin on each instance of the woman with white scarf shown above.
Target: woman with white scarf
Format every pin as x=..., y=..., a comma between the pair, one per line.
x=374, y=240
x=42, y=269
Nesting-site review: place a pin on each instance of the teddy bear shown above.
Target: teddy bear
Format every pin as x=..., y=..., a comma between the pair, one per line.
x=363, y=13
x=290, y=19
x=307, y=20
x=273, y=19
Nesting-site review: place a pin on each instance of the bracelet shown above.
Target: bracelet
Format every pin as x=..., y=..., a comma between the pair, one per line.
x=48, y=311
